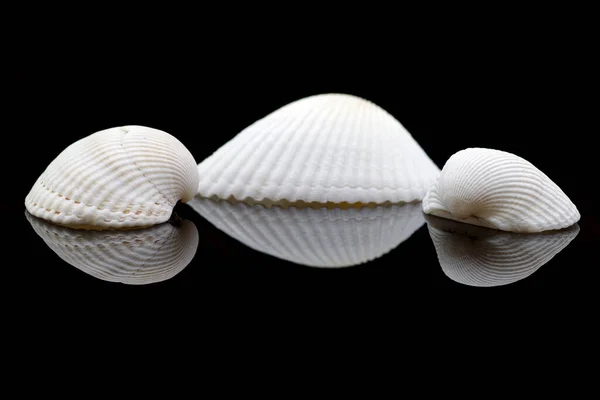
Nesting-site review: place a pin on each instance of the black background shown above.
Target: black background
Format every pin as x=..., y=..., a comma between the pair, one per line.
x=509, y=86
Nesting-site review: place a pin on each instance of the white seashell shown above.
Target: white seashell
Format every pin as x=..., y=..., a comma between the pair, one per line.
x=324, y=148
x=476, y=256
x=117, y=178
x=323, y=237
x=499, y=190
x=133, y=257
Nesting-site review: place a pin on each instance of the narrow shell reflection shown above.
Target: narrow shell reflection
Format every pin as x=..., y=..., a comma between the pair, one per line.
x=316, y=237
x=133, y=257
x=483, y=257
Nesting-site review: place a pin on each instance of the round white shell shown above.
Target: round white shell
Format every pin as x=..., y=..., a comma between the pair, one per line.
x=133, y=257
x=116, y=178
x=499, y=190
x=324, y=148
x=324, y=237
x=484, y=257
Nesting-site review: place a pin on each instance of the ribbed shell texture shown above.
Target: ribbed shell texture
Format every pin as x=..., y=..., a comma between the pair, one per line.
x=116, y=178
x=324, y=148
x=499, y=190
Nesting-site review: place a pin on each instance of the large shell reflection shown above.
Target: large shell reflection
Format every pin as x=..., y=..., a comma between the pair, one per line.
x=134, y=257
x=477, y=256
x=316, y=237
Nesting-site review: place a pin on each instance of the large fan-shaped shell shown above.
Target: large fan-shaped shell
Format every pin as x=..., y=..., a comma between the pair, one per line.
x=116, y=178
x=323, y=237
x=476, y=256
x=499, y=190
x=134, y=257
x=324, y=148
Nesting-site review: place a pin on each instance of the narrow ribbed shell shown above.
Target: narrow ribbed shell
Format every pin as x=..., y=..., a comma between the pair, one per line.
x=133, y=257
x=476, y=256
x=324, y=237
x=499, y=190
x=324, y=148
x=116, y=178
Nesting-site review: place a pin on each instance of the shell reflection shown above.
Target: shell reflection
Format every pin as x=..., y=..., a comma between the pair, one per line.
x=133, y=257
x=316, y=237
x=477, y=256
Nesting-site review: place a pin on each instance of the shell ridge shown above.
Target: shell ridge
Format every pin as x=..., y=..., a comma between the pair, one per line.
x=217, y=160
x=260, y=141
x=325, y=128
x=323, y=125
x=304, y=126
x=267, y=131
x=128, y=153
x=363, y=153
x=326, y=217
x=308, y=124
x=80, y=204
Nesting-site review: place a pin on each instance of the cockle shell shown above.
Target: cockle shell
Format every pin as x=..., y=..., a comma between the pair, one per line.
x=325, y=148
x=323, y=237
x=477, y=256
x=133, y=257
x=499, y=190
x=125, y=177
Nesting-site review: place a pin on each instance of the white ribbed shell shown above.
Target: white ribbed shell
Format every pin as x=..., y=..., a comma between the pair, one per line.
x=116, y=178
x=499, y=190
x=324, y=148
x=324, y=237
x=484, y=257
x=133, y=257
